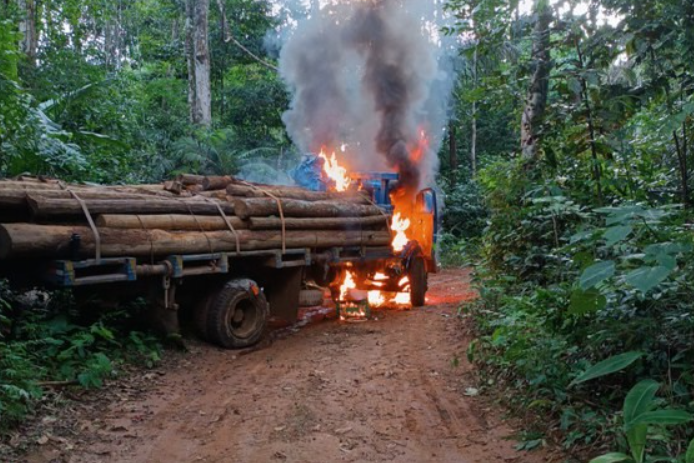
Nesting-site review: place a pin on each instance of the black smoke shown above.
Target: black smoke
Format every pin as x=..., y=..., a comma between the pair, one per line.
x=368, y=73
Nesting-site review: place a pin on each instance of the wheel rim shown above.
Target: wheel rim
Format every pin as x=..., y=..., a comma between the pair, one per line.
x=242, y=321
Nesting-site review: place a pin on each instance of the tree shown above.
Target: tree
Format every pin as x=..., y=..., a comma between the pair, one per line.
x=198, y=55
x=536, y=100
x=27, y=28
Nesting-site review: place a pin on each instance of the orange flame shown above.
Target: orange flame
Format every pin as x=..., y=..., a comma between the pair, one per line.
x=347, y=284
x=335, y=172
x=421, y=148
x=402, y=299
x=399, y=226
x=376, y=298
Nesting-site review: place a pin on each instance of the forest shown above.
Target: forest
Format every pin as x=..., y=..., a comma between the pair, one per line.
x=566, y=164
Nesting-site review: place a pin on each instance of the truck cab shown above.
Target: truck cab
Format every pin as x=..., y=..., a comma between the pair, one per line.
x=426, y=220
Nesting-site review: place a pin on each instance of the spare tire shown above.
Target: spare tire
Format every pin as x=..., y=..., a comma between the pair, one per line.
x=237, y=315
x=310, y=297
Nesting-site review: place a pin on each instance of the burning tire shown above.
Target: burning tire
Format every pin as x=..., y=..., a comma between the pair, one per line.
x=418, y=282
x=236, y=315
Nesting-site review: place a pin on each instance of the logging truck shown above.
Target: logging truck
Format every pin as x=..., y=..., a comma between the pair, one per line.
x=232, y=255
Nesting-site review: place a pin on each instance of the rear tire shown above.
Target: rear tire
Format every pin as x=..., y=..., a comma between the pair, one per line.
x=418, y=282
x=237, y=315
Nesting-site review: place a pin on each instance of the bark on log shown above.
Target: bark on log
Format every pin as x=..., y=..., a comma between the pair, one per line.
x=54, y=185
x=339, y=223
x=216, y=182
x=190, y=179
x=288, y=192
x=173, y=186
x=45, y=207
x=31, y=178
x=18, y=198
x=23, y=185
x=169, y=222
x=262, y=207
x=53, y=241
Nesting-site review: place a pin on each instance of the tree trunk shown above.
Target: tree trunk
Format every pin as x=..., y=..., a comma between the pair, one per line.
x=56, y=241
x=262, y=207
x=198, y=57
x=591, y=126
x=536, y=99
x=452, y=151
x=190, y=57
x=473, y=143
x=27, y=27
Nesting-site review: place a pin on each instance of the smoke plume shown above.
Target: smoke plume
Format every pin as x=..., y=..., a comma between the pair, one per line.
x=370, y=75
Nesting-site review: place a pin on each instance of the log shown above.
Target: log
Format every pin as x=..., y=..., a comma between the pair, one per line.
x=22, y=185
x=32, y=178
x=42, y=206
x=339, y=223
x=295, y=193
x=190, y=179
x=17, y=198
x=169, y=222
x=217, y=194
x=173, y=186
x=159, y=187
x=264, y=207
x=216, y=182
x=55, y=241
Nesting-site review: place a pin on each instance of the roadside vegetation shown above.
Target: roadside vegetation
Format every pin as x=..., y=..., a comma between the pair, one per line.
x=583, y=245
x=46, y=343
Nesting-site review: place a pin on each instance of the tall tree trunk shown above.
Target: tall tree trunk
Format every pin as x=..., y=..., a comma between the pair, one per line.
x=536, y=99
x=473, y=143
x=591, y=125
x=680, y=148
x=198, y=54
x=27, y=27
x=452, y=151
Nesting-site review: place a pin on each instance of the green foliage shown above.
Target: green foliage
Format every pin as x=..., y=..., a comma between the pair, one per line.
x=51, y=343
x=642, y=422
x=607, y=367
x=570, y=295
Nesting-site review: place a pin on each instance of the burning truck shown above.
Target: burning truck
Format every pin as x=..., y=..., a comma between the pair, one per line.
x=396, y=280
x=369, y=95
x=229, y=253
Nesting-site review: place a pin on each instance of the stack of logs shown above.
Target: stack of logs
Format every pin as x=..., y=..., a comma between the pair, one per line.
x=46, y=218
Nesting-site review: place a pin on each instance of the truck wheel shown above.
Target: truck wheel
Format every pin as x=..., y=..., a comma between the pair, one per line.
x=237, y=315
x=310, y=297
x=418, y=282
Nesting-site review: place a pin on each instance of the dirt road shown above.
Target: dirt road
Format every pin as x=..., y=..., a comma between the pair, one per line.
x=384, y=390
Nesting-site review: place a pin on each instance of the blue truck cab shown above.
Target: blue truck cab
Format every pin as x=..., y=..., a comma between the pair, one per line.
x=426, y=224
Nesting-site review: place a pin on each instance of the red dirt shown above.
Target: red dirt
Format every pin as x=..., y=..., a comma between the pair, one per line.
x=382, y=390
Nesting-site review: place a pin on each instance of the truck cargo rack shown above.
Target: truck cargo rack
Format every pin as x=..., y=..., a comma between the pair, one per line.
x=68, y=273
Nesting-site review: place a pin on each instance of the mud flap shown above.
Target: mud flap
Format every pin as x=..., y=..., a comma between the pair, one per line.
x=163, y=315
x=282, y=288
